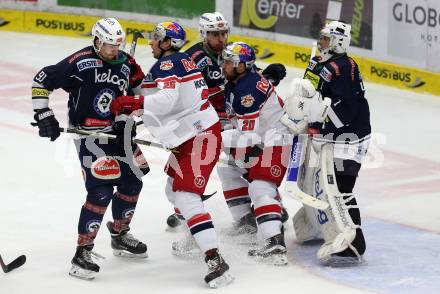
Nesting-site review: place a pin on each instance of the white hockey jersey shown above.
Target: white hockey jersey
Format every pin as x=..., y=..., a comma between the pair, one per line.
x=175, y=100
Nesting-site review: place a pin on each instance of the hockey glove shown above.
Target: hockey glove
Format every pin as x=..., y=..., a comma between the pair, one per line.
x=47, y=124
x=136, y=73
x=127, y=104
x=274, y=72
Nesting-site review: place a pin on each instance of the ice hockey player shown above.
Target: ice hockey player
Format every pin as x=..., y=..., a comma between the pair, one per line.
x=93, y=77
x=255, y=109
x=346, y=124
x=214, y=31
x=177, y=112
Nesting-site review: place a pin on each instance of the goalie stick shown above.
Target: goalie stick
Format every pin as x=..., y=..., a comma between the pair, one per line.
x=19, y=261
x=292, y=188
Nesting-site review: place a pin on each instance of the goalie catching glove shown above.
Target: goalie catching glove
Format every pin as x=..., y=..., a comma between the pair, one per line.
x=305, y=103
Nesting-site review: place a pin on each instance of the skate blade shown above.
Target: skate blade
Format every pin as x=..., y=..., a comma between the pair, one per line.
x=194, y=253
x=81, y=273
x=342, y=261
x=221, y=281
x=275, y=259
x=249, y=240
x=126, y=254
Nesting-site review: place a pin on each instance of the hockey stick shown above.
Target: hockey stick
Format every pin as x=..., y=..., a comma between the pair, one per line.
x=110, y=137
x=292, y=188
x=136, y=36
x=16, y=263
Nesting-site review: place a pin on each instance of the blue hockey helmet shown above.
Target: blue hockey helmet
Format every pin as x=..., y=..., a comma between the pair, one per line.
x=171, y=30
x=239, y=52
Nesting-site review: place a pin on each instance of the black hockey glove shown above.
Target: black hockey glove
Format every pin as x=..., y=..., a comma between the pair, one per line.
x=274, y=72
x=47, y=124
x=254, y=152
x=122, y=135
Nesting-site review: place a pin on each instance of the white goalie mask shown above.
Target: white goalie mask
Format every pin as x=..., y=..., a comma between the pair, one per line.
x=339, y=35
x=212, y=22
x=108, y=31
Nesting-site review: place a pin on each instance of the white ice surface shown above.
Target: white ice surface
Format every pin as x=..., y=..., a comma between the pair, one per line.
x=42, y=193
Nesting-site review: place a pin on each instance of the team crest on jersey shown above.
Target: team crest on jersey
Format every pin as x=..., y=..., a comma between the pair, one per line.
x=312, y=65
x=166, y=65
x=125, y=70
x=205, y=61
x=88, y=63
x=102, y=102
x=326, y=75
x=106, y=168
x=247, y=101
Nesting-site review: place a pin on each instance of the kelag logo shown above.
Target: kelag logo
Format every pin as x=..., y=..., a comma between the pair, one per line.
x=395, y=75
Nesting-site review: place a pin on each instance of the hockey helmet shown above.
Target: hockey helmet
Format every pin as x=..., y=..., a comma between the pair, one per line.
x=239, y=52
x=339, y=35
x=108, y=31
x=171, y=30
x=212, y=22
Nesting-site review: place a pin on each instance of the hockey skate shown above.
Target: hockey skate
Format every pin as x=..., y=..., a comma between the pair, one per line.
x=83, y=266
x=284, y=214
x=174, y=221
x=246, y=225
x=125, y=245
x=273, y=252
x=333, y=253
x=218, y=270
x=185, y=247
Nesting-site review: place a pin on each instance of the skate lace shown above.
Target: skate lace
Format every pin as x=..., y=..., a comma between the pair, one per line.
x=129, y=240
x=213, y=263
x=87, y=255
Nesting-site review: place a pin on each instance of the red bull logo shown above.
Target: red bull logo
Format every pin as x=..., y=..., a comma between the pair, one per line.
x=242, y=50
x=171, y=26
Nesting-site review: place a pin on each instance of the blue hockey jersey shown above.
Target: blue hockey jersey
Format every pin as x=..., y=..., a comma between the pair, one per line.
x=92, y=83
x=340, y=80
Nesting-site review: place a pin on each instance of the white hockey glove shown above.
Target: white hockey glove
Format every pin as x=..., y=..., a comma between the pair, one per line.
x=305, y=103
x=294, y=126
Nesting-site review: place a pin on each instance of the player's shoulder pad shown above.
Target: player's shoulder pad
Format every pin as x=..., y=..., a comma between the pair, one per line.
x=179, y=64
x=251, y=92
x=84, y=59
x=313, y=63
x=328, y=71
x=84, y=53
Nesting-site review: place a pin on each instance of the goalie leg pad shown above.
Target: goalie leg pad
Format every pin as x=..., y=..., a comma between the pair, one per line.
x=343, y=223
x=305, y=226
